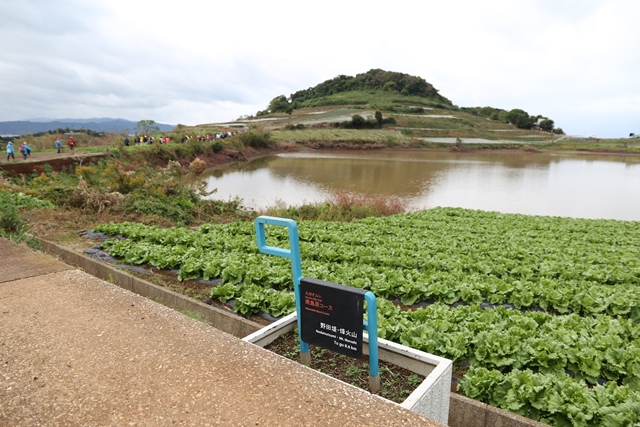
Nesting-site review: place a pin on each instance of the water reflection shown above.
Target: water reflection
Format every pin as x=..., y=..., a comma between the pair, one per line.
x=584, y=186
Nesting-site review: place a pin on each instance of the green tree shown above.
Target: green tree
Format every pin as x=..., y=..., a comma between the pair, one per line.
x=390, y=86
x=357, y=121
x=546, y=125
x=379, y=119
x=520, y=118
x=280, y=104
x=146, y=127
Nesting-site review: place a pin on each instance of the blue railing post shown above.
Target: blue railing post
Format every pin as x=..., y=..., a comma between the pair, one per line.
x=293, y=253
x=372, y=329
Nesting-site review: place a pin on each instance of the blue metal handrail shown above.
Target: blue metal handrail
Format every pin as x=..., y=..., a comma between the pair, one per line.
x=293, y=253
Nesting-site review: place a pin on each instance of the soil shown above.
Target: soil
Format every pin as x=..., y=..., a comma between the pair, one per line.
x=396, y=383
x=36, y=162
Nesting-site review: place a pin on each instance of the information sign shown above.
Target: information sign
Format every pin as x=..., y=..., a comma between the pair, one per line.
x=332, y=316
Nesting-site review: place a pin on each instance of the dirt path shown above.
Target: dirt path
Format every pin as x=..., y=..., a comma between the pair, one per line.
x=39, y=157
x=37, y=161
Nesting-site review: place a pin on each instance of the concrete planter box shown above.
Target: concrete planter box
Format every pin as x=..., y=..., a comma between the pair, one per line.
x=430, y=399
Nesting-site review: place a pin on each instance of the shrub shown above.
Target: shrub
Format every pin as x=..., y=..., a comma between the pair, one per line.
x=93, y=200
x=197, y=148
x=357, y=121
x=10, y=220
x=85, y=172
x=162, y=152
x=341, y=206
x=197, y=166
x=12, y=226
x=256, y=139
x=166, y=207
x=182, y=151
x=216, y=146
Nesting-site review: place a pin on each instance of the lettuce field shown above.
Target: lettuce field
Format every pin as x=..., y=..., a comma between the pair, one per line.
x=540, y=314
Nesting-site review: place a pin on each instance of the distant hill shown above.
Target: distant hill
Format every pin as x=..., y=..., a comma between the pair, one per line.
x=121, y=126
x=392, y=92
x=376, y=88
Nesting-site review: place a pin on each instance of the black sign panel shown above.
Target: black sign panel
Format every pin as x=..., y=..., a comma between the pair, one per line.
x=331, y=316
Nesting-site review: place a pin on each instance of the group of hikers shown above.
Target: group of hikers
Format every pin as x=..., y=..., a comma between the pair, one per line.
x=144, y=139
x=25, y=150
x=71, y=143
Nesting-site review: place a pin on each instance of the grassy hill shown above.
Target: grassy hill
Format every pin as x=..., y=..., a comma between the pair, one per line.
x=413, y=113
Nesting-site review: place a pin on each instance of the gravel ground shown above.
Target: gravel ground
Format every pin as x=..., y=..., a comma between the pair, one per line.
x=75, y=350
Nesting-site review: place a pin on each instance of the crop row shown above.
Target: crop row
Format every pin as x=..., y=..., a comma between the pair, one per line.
x=557, y=400
x=591, y=349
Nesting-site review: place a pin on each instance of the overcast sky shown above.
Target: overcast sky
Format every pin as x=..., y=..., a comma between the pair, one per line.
x=196, y=61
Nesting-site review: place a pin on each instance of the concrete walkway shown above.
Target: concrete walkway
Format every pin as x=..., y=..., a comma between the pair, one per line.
x=79, y=351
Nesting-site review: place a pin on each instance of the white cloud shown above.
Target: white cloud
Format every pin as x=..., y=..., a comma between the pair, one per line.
x=193, y=62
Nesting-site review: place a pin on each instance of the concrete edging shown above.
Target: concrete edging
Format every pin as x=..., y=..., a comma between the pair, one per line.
x=226, y=321
x=466, y=412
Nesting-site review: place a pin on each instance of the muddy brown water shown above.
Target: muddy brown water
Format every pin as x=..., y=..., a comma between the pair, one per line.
x=553, y=184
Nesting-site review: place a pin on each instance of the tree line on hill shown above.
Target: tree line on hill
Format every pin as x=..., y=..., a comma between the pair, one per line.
x=517, y=117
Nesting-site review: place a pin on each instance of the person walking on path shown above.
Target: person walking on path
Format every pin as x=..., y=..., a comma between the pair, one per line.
x=58, y=145
x=71, y=143
x=11, y=154
x=23, y=150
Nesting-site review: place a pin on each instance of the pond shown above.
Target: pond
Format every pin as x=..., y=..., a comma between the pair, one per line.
x=553, y=184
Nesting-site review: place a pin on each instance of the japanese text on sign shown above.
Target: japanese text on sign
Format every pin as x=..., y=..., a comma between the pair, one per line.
x=332, y=316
